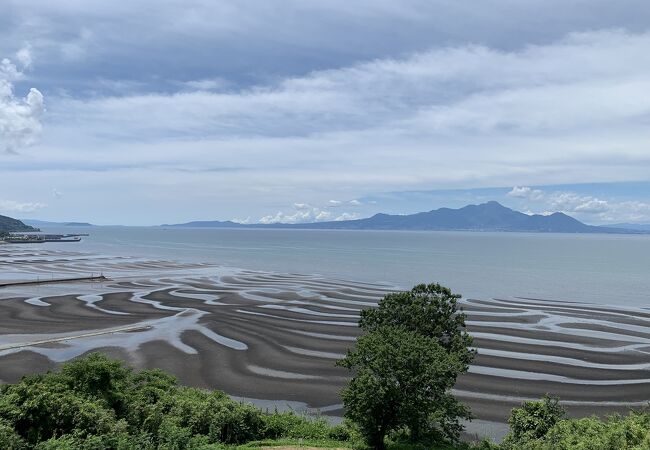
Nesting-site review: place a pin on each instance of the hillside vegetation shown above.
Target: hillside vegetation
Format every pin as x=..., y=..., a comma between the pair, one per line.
x=8, y=224
x=95, y=403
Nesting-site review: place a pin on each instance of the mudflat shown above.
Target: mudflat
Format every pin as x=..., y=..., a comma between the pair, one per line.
x=273, y=338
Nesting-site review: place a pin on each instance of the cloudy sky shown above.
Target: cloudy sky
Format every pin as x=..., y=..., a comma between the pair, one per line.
x=148, y=112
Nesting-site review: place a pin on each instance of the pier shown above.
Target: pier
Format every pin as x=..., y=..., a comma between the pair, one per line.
x=53, y=280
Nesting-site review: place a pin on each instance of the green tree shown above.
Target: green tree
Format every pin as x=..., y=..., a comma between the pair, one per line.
x=533, y=420
x=9, y=439
x=432, y=311
x=400, y=376
x=428, y=309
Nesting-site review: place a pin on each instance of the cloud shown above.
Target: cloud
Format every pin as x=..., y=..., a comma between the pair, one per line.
x=11, y=206
x=569, y=110
x=207, y=84
x=525, y=192
x=245, y=221
x=347, y=216
x=19, y=117
x=304, y=213
x=24, y=56
x=574, y=203
x=340, y=203
x=586, y=207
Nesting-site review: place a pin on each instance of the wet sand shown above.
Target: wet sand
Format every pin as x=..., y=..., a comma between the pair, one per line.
x=267, y=336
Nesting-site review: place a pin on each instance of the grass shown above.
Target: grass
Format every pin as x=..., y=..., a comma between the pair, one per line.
x=285, y=444
x=307, y=444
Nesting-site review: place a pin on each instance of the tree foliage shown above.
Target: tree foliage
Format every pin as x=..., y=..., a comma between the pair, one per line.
x=428, y=309
x=400, y=377
x=96, y=403
x=415, y=347
x=613, y=433
x=534, y=419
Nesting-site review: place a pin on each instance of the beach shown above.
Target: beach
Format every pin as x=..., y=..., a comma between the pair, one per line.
x=273, y=338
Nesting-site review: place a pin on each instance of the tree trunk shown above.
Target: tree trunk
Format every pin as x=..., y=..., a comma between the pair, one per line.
x=378, y=440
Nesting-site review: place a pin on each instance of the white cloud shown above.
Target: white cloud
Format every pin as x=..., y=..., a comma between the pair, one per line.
x=585, y=207
x=11, y=206
x=347, y=216
x=207, y=84
x=525, y=192
x=24, y=56
x=323, y=215
x=574, y=203
x=302, y=213
x=245, y=221
x=19, y=117
x=340, y=203
x=569, y=111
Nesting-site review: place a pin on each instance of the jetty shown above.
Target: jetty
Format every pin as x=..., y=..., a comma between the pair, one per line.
x=52, y=280
x=40, y=238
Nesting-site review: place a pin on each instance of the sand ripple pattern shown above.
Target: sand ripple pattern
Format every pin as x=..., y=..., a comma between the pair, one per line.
x=275, y=336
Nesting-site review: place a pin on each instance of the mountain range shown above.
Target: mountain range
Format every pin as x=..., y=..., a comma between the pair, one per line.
x=490, y=216
x=45, y=223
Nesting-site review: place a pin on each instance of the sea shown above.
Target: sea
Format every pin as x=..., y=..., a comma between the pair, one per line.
x=592, y=268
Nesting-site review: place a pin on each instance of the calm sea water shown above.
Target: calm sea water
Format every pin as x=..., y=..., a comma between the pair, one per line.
x=606, y=269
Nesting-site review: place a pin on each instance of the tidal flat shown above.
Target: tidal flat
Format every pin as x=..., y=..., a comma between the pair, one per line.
x=274, y=338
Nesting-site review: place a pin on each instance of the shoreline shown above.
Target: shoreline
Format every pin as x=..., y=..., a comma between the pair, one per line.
x=275, y=337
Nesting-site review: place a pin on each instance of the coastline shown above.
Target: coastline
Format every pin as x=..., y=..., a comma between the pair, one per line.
x=275, y=337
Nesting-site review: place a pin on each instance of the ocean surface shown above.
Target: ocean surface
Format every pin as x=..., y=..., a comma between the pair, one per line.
x=604, y=269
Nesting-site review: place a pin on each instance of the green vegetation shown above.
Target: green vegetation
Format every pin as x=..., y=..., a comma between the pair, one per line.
x=533, y=420
x=95, y=403
x=7, y=224
x=98, y=404
x=542, y=425
x=405, y=366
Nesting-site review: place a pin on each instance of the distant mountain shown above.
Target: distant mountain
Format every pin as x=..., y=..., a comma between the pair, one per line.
x=490, y=216
x=631, y=226
x=45, y=223
x=206, y=224
x=8, y=224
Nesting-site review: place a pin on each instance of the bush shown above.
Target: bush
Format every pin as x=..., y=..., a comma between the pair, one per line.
x=94, y=403
x=9, y=439
x=614, y=433
x=292, y=426
x=533, y=420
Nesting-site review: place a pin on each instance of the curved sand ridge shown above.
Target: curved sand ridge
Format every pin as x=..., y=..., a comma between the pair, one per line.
x=272, y=336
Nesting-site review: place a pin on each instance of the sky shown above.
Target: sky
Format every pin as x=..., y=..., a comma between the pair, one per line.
x=147, y=112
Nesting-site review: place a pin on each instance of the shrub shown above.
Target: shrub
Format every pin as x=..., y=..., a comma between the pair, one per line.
x=9, y=439
x=614, y=433
x=534, y=419
x=290, y=425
